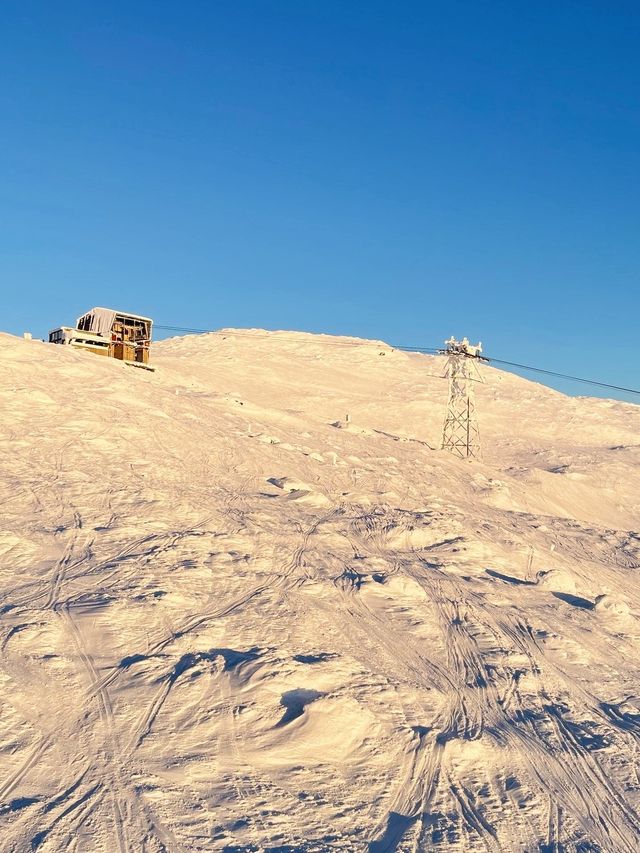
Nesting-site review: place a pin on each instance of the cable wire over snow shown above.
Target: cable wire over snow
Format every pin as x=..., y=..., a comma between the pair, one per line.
x=427, y=351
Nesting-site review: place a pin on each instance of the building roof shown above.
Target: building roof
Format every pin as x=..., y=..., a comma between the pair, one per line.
x=120, y=313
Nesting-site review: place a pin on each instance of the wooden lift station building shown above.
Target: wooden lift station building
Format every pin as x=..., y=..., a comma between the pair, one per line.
x=104, y=331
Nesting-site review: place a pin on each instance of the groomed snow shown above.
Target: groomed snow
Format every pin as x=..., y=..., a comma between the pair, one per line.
x=233, y=619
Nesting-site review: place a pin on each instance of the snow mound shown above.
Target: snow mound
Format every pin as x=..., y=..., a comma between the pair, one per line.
x=233, y=618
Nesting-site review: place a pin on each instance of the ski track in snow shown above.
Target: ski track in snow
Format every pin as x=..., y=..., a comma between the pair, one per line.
x=231, y=620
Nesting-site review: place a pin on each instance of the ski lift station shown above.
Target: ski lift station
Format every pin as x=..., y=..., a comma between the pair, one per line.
x=104, y=331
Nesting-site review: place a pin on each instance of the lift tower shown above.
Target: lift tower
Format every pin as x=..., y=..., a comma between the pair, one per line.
x=460, y=433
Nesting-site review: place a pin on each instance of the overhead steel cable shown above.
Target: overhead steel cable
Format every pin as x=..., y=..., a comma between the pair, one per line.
x=354, y=343
x=183, y=329
x=426, y=350
x=290, y=336
x=420, y=349
x=563, y=375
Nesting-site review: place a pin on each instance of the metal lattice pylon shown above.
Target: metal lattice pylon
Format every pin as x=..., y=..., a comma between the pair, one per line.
x=460, y=432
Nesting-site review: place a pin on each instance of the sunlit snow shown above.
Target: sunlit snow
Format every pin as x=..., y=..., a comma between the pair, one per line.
x=234, y=619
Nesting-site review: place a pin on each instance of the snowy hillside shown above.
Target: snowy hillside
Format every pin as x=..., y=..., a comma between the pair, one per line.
x=231, y=619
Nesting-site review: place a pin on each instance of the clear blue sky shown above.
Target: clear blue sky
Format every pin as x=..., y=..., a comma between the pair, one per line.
x=403, y=170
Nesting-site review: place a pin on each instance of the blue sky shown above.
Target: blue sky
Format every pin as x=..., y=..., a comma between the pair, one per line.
x=401, y=170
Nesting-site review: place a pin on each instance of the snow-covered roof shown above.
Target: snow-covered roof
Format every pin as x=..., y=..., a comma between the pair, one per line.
x=119, y=313
x=102, y=319
x=70, y=332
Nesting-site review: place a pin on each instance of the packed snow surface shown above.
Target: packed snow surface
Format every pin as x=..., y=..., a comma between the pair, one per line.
x=233, y=618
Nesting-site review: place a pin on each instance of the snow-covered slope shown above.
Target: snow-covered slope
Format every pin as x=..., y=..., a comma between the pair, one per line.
x=233, y=619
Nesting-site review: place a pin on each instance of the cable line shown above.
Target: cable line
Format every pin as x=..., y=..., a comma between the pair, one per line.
x=426, y=350
x=564, y=375
x=290, y=336
x=183, y=329
x=417, y=349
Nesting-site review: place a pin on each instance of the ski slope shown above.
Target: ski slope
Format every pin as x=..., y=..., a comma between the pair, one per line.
x=233, y=619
